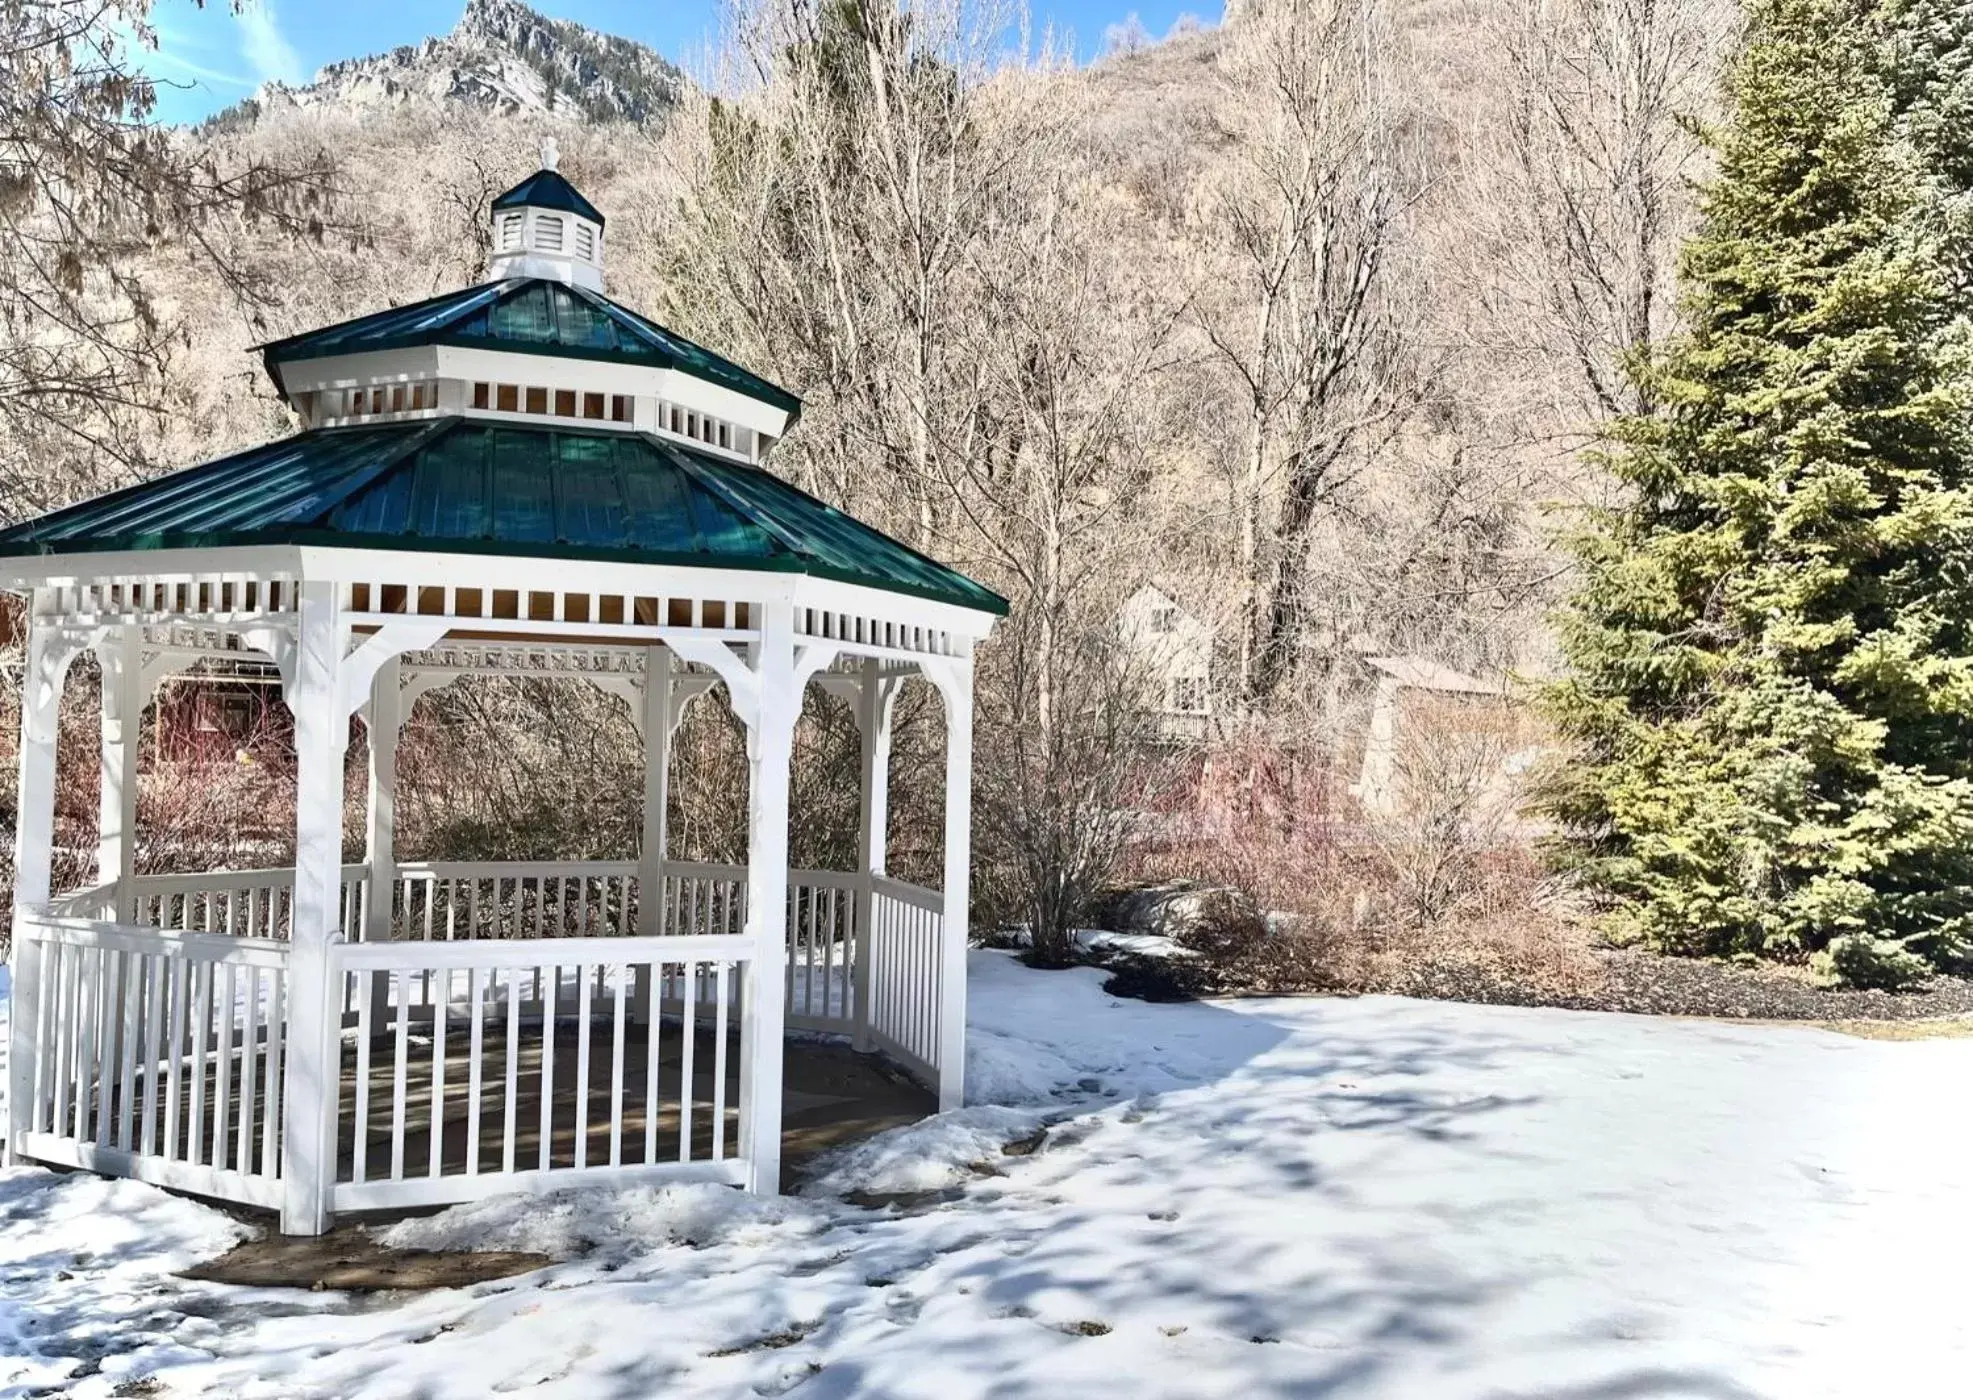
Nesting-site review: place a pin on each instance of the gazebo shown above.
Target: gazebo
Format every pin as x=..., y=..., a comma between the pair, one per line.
x=522, y=477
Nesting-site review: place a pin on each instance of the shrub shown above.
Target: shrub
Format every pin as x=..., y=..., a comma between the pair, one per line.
x=1861, y=960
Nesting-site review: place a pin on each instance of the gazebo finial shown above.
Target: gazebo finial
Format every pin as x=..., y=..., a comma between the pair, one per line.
x=549, y=153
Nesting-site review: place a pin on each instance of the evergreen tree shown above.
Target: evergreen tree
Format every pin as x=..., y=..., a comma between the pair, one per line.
x=1771, y=641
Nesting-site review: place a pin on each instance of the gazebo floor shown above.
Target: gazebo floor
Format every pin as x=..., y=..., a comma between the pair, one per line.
x=830, y=1095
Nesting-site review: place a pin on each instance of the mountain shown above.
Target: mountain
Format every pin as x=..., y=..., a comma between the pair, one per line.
x=502, y=56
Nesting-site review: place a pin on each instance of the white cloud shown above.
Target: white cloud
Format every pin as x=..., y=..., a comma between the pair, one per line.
x=264, y=46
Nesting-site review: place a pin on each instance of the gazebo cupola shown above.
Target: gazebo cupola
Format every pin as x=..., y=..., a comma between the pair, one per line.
x=543, y=227
x=520, y=478
x=538, y=342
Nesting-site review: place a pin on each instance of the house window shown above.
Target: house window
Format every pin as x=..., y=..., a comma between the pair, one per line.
x=481, y=394
x=1164, y=619
x=565, y=403
x=592, y=405
x=508, y=399
x=1188, y=695
x=537, y=400
x=548, y=233
x=620, y=407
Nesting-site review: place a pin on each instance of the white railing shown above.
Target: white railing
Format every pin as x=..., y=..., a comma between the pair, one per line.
x=822, y=951
x=245, y=903
x=533, y=1065
x=905, y=972
x=447, y=900
x=704, y=899
x=150, y=1054
x=495, y=1044
x=90, y=902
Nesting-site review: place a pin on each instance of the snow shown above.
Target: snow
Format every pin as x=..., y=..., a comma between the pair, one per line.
x=608, y=1226
x=1346, y=1198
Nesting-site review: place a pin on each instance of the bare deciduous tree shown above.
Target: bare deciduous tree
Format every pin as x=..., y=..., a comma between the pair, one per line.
x=1601, y=154
x=1312, y=203
x=88, y=188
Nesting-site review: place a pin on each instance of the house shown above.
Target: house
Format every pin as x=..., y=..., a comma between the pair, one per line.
x=1462, y=728
x=1173, y=647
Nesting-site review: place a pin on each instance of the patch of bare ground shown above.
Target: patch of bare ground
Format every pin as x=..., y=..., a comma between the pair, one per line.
x=349, y=1259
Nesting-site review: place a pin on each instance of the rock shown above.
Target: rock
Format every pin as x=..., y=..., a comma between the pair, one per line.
x=1173, y=909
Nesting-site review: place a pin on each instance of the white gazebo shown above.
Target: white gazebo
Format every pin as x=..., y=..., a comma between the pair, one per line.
x=518, y=478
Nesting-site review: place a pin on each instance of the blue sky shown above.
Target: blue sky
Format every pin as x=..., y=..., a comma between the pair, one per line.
x=212, y=57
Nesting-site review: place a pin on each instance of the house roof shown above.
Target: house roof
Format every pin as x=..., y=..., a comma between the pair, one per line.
x=528, y=315
x=1426, y=674
x=1155, y=587
x=470, y=486
x=545, y=189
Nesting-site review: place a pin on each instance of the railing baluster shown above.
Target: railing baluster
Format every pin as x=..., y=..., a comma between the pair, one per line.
x=270, y=1128
x=90, y=1010
x=62, y=963
x=203, y=975
x=616, y=1074
x=653, y=1043
x=222, y=1104
x=689, y=1018
x=441, y=1005
x=130, y=985
x=719, y=1066
x=549, y=995
x=41, y=957
x=511, y=1121
x=400, y=1071
x=179, y=1021
x=153, y=977
x=248, y=1054
x=582, y=1068
x=476, y=1042
x=366, y=995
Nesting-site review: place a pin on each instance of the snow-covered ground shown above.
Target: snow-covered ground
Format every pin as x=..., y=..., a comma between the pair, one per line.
x=1281, y=1198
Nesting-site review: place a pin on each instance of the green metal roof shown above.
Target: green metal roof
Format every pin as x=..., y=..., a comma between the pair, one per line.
x=547, y=190
x=529, y=315
x=461, y=485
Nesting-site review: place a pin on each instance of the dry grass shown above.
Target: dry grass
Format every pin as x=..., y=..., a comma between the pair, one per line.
x=1942, y=1028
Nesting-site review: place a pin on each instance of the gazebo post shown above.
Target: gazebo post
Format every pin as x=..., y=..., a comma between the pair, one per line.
x=311, y=1083
x=380, y=824
x=386, y=720
x=875, y=697
x=651, y=855
x=957, y=685
x=41, y=703
x=657, y=724
x=122, y=664
x=770, y=754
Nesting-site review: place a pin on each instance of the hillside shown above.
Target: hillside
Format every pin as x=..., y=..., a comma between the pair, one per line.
x=501, y=57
